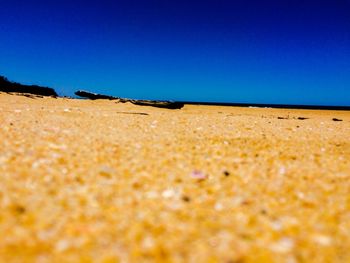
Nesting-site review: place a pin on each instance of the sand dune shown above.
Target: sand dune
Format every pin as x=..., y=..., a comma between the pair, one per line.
x=97, y=181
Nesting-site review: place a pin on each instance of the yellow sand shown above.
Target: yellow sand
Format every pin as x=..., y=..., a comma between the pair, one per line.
x=94, y=181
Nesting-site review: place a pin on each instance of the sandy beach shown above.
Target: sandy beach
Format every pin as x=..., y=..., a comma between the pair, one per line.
x=99, y=181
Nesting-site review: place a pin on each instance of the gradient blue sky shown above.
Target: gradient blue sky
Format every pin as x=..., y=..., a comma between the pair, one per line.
x=284, y=52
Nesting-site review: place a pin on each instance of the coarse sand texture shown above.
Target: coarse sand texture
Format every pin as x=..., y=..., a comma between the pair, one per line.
x=99, y=181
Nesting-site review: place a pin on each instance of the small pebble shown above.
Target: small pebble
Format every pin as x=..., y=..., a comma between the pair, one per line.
x=198, y=175
x=322, y=240
x=168, y=193
x=276, y=225
x=282, y=170
x=62, y=245
x=284, y=245
x=226, y=173
x=106, y=171
x=335, y=119
x=20, y=209
x=263, y=212
x=218, y=206
x=186, y=198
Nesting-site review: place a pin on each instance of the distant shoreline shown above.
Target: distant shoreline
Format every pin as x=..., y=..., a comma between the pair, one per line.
x=35, y=90
x=227, y=104
x=277, y=106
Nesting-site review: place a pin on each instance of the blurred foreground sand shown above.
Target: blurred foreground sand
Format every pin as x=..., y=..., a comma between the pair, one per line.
x=96, y=181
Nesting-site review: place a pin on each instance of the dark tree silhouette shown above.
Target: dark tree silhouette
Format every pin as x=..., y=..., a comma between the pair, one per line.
x=9, y=86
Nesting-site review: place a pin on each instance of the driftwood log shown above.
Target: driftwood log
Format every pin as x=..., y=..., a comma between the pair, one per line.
x=159, y=104
x=152, y=103
x=94, y=96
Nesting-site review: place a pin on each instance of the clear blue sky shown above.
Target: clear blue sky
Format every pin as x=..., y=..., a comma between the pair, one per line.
x=245, y=51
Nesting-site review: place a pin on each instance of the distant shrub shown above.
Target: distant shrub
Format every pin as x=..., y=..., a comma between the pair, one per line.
x=9, y=86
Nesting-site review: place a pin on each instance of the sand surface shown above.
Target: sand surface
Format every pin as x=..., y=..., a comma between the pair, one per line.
x=96, y=181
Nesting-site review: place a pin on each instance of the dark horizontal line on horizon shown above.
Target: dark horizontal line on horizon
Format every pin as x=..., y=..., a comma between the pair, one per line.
x=258, y=105
x=278, y=106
